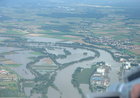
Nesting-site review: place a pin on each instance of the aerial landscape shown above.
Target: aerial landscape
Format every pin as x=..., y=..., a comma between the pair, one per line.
x=66, y=48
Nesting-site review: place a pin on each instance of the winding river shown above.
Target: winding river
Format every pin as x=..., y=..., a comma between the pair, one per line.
x=64, y=77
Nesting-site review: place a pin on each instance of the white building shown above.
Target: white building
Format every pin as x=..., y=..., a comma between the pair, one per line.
x=101, y=70
x=108, y=65
x=127, y=65
x=3, y=71
x=122, y=60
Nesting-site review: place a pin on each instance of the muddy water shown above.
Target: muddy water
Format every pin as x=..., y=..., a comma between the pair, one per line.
x=64, y=77
x=21, y=57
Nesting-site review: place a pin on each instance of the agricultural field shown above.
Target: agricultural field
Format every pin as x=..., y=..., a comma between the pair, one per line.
x=70, y=23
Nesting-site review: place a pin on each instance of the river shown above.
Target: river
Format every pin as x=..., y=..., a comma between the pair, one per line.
x=64, y=77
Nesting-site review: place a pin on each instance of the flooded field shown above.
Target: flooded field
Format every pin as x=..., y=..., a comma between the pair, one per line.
x=8, y=49
x=43, y=39
x=22, y=58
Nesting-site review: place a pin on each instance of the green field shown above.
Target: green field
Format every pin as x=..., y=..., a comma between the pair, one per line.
x=84, y=76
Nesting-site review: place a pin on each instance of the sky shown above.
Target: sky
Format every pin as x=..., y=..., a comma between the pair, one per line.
x=133, y=3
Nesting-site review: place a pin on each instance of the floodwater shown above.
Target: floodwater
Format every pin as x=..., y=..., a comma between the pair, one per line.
x=8, y=49
x=64, y=76
x=43, y=39
x=22, y=57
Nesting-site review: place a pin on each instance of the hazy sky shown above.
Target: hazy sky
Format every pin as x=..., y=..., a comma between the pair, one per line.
x=101, y=2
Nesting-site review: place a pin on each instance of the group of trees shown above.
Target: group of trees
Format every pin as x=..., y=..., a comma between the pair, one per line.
x=43, y=82
x=75, y=82
x=67, y=52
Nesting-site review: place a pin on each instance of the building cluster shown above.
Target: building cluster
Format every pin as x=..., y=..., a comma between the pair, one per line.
x=128, y=65
x=100, y=80
x=118, y=44
x=7, y=76
x=121, y=57
x=126, y=59
x=128, y=62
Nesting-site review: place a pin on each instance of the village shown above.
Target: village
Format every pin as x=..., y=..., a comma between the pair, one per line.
x=6, y=76
x=9, y=82
x=108, y=41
